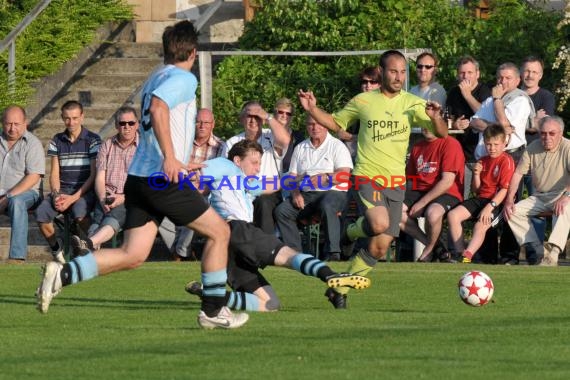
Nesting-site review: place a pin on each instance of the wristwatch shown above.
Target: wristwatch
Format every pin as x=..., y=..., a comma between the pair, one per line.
x=493, y=204
x=9, y=195
x=566, y=193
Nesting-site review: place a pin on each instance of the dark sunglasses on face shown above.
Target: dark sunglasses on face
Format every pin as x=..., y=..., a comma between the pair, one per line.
x=124, y=123
x=552, y=133
x=368, y=81
x=284, y=113
x=427, y=67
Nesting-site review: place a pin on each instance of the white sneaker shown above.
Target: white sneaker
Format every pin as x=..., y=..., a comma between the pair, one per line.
x=58, y=255
x=50, y=285
x=225, y=319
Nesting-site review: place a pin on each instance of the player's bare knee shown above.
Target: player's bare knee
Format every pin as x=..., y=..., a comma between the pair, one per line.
x=379, y=226
x=272, y=304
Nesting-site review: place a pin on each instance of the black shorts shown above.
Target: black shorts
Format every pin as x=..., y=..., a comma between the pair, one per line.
x=145, y=203
x=250, y=249
x=242, y=276
x=475, y=205
x=445, y=200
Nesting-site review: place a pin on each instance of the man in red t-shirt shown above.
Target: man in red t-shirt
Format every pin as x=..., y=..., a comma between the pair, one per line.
x=435, y=173
x=491, y=177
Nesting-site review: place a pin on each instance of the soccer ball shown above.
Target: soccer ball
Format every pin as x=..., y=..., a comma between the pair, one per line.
x=475, y=288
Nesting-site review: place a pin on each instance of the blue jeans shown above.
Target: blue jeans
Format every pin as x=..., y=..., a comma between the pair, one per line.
x=17, y=210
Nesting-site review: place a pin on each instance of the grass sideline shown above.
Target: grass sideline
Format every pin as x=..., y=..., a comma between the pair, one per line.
x=410, y=324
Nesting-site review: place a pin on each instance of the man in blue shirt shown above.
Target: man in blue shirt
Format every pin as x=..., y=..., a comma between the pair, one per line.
x=73, y=153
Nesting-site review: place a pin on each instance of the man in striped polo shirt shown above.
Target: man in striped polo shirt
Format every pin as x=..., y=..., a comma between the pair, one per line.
x=73, y=153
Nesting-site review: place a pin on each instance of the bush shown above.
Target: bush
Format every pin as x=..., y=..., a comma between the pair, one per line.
x=55, y=37
x=513, y=31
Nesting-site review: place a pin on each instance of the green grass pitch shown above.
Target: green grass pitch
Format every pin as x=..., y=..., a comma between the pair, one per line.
x=410, y=324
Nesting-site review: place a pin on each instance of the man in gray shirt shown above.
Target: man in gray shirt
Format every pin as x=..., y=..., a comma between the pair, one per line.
x=22, y=163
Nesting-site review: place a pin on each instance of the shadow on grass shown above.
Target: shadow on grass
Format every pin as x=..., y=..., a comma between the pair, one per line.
x=127, y=304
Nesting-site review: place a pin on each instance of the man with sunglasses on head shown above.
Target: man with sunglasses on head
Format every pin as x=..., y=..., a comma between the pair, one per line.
x=274, y=141
x=386, y=118
x=548, y=162
x=427, y=87
x=113, y=161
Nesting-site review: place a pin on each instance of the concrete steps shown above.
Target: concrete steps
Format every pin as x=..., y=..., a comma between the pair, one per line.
x=39, y=251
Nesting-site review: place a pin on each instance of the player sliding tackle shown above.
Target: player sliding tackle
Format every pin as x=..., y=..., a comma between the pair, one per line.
x=250, y=247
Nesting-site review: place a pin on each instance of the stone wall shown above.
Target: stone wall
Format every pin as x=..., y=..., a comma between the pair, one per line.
x=152, y=16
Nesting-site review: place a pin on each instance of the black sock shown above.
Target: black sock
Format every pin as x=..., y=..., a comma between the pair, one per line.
x=65, y=275
x=55, y=247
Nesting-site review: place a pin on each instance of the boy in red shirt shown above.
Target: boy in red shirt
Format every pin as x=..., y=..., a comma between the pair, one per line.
x=491, y=177
x=435, y=173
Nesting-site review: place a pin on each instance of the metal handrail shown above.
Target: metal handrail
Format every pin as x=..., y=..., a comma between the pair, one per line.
x=10, y=40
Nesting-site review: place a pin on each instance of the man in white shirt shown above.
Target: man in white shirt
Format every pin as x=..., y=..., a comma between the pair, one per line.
x=511, y=108
x=274, y=143
x=316, y=163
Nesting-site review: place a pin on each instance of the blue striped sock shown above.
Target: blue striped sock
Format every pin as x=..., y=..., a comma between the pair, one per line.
x=83, y=268
x=243, y=301
x=214, y=283
x=307, y=264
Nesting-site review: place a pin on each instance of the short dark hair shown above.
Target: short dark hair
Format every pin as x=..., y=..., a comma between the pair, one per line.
x=71, y=104
x=242, y=148
x=372, y=72
x=467, y=59
x=387, y=54
x=428, y=54
x=123, y=110
x=494, y=130
x=178, y=41
x=532, y=58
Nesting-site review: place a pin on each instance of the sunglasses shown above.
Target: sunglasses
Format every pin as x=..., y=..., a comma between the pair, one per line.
x=200, y=122
x=284, y=113
x=124, y=123
x=427, y=67
x=368, y=81
x=552, y=133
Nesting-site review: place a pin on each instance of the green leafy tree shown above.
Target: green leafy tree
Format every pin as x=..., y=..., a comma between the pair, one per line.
x=55, y=37
x=513, y=31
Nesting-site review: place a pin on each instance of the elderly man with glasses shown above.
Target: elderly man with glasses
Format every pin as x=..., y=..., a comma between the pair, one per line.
x=548, y=161
x=113, y=161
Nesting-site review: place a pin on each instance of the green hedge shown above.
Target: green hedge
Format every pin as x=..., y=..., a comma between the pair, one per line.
x=55, y=37
x=513, y=31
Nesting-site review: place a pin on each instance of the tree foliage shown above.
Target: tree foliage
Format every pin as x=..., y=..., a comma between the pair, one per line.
x=55, y=37
x=514, y=30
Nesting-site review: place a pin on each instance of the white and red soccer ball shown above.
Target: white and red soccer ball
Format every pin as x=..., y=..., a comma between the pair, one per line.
x=476, y=288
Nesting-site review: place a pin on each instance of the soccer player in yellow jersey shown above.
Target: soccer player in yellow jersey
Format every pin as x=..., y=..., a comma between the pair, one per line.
x=386, y=117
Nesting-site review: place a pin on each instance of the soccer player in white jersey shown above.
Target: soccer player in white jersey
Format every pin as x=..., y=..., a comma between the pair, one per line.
x=154, y=190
